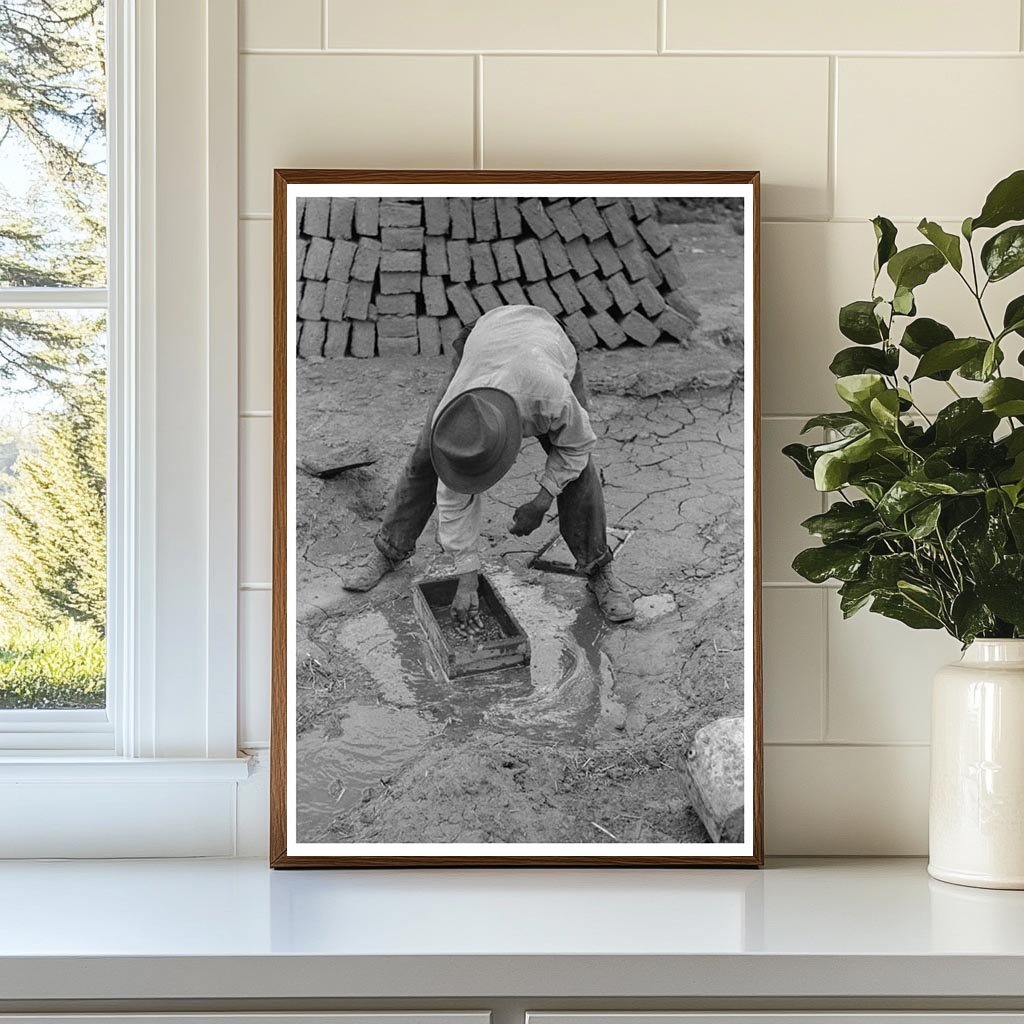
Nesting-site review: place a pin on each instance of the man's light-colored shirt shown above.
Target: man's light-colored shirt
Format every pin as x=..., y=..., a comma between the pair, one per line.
x=523, y=351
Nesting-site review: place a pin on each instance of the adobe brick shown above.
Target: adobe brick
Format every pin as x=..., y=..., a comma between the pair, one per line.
x=364, y=337
x=317, y=218
x=485, y=220
x=435, y=215
x=343, y=210
x=555, y=255
x=367, y=221
x=639, y=328
x=317, y=256
x=510, y=220
x=434, y=299
x=579, y=256
x=357, y=305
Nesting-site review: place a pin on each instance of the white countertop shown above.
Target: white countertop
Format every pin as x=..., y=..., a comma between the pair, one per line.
x=234, y=929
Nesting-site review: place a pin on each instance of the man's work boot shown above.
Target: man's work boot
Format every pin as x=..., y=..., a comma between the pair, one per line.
x=368, y=571
x=611, y=595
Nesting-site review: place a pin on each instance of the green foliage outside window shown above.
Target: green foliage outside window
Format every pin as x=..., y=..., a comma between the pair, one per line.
x=52, y=365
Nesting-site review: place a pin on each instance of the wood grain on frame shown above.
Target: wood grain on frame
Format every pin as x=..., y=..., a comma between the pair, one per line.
x=279, y=856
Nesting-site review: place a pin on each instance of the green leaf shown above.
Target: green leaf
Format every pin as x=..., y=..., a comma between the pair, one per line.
x=841, y=561
x=885, y=409
x=1005, y=596
x=990, y=360
x=906, y=494
x=1004, y=397
x=849, y=361
x=799, y=455
x=947, y=244
x=950, y=355
x=854, y=595
x=924, y=334
x=831, y=471
x=887, y=570
x=1013, y=317
x=912, y=267
x=857, y=321
x=1005, y=202
x=971, y=617
x=903, y=302
x=843, y=521
x=885, y=238
x=974, y=368
x=858, y=389
x=965, y=229
x=925, y=518
x=897, y=607
x=1003, y=254
x=841, y=421
x=966, y=417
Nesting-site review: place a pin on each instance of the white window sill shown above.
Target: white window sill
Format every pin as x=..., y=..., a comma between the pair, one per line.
x=78, y=766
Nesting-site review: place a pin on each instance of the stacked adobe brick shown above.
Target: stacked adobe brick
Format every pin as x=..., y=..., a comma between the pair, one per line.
x=402, y=276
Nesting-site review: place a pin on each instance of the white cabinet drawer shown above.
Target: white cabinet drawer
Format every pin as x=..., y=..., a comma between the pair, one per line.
x=785, y=1017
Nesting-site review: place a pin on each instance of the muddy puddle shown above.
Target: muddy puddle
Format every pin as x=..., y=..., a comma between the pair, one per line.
x=342, y=764
x=387, y=701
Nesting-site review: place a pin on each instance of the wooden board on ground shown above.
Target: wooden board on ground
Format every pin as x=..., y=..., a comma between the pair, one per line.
x=556, y=557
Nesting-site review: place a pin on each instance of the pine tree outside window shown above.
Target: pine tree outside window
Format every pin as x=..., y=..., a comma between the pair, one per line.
x=53, y=363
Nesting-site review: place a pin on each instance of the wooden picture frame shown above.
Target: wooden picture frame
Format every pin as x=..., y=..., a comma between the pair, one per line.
x=285, y=850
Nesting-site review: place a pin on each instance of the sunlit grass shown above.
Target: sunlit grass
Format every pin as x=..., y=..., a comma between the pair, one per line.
x=62, y=667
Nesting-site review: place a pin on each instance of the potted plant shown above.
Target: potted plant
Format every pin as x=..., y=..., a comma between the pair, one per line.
x=927, y=521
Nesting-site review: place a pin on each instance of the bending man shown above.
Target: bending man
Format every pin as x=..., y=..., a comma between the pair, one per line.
x=517, y=375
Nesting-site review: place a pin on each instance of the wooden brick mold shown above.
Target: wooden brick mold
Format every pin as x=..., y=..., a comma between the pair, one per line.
x=406, y=274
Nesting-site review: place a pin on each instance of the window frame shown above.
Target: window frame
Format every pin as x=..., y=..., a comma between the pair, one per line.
x=172, y=509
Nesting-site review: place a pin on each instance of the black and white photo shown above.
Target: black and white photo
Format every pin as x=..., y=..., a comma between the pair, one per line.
x=515, y=533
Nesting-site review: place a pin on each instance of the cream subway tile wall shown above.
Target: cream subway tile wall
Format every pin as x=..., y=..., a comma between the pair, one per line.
x=872, y=25
x=256, y=359
x=261, y=24
x=699, y=113
x=253, y=664
x=794, y=662
x=788, y=499
x=255, y=513
x=472, y=25
x=360, y=111
x=879, y=678
x=969, y=109
x=846, y=800
x=800, y=90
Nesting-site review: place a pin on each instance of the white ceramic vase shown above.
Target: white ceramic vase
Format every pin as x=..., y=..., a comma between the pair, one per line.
x=976, y=816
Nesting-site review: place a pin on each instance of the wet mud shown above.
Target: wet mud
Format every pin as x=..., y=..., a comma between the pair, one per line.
x=588, y=742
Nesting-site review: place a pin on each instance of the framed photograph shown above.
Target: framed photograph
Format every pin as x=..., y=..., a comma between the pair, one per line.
x=516, y=557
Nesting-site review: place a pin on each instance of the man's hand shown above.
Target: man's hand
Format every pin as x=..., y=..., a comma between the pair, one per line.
x=529, y=516
x=466, y=606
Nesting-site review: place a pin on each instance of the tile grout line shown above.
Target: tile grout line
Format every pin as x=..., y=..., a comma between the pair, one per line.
x=662, y=27
x=323, y=24
x=298, y=51
x=478, y=111
x=831, y=170
x=1020, y=26
x=825, y=713
x=851, y=744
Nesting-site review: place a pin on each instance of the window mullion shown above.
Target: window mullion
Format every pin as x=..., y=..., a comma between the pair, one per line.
x=53, y=298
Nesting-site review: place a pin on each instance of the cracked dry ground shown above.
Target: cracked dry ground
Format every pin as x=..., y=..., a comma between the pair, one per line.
x=588, y=743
